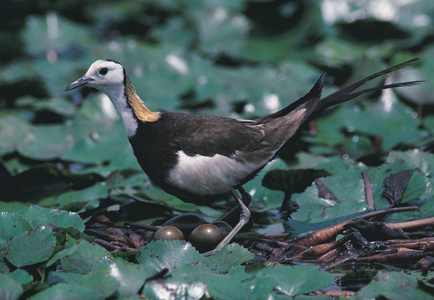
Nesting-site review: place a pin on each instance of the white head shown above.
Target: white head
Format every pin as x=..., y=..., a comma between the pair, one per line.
x=105, y=75
x=109, y=77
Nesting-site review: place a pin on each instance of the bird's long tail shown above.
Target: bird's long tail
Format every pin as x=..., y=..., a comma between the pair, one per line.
x=348, y=93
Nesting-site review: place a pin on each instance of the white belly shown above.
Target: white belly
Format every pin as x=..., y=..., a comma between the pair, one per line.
x=204, y=175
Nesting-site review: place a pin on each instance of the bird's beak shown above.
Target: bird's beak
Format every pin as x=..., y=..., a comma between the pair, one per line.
x=78, y=83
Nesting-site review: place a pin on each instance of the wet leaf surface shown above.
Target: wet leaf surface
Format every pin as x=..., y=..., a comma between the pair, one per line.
x=89, y=231
x=31, y=247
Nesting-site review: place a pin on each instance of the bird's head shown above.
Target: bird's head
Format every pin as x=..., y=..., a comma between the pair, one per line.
x=103, y=75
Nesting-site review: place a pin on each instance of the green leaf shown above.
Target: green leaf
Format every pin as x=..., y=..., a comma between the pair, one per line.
x=394, y=285
x=129, y=277
x=421, y=93
x=35, y=144
x=52, y=32
x=185, y=282
x=103, y=281
x=86, y=258
x=41, y=216
x=392, y=121
x=84, y=199
x=316, y=212
x=266, y=197
x=31, y=247
x=62, y=291
x=12, y=225
x=416, y=187
x=60, y=106
x=343, y=167
x=62, y=277
x=237, y=283
x=97, y=133
x=3, y=248
x=12, y=132
x=21, y=276
x=10, y=289
x=170, y=254
x=61, y=254
x=219, y=31
x=230, y=256
x=298, y=280
x=423, y=161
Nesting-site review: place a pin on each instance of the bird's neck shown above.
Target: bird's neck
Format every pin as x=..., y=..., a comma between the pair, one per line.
x=140, y=110
x=131, y=108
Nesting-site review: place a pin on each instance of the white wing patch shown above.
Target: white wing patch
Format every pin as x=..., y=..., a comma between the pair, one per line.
x=204, y=175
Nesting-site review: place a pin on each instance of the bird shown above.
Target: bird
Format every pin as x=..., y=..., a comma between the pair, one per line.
x=203, y=158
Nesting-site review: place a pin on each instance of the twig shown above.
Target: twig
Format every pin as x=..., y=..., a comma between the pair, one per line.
x=326, y=234
x=320, y=249
x=368, y=190
x=411, y=224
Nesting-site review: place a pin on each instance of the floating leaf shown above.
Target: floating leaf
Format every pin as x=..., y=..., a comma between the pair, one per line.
x=10, y=289
x=12, y=225
x=230, y=256
x=98, y=134
x=220, y=31
x=315, y=212
x=394, y=285
x=31, y=247
x=12, y=132
x=86, y=258
x=103, y=283
x=170, y=254
x=129, y=277
x=186, y=281
x=237, y=282
x=52, y=32
x=298, y=280
x=35, y=145
x=21, y=276
x=42, y=216
x=67, y=291
x=85, y=198
x=415, y=188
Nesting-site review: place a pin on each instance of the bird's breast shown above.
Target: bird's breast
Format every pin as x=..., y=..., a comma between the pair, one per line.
x=210, y=175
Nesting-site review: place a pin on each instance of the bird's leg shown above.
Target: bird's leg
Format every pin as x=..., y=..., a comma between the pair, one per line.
x=233, y=215
x=244, y=218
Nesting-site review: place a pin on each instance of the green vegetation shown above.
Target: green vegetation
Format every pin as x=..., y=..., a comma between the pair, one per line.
x=70, y=184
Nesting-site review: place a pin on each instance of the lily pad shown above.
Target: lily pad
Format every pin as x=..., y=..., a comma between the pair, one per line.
x=230, y=256
x=52, y=32
x=10, y=289
x=46, y=142
x=86, y=258
x=31, y=247
x=97, y=133
x=68, y=291
x=237, y=282
x=298, y=280
x=170, y=254
x=394, y=285
x=315, y=212
x=12, y=132
x=41, y=216
x=83, y=199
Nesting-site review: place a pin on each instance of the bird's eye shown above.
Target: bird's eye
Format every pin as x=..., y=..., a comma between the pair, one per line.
x=103, y=71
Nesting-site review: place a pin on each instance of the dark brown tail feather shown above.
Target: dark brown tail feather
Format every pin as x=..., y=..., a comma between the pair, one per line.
x=348, y=93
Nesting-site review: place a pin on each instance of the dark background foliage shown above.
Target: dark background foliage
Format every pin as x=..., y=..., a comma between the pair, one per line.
x=235, y=58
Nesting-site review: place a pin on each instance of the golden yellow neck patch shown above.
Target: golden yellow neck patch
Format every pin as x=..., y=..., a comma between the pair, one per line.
x=140, y=110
